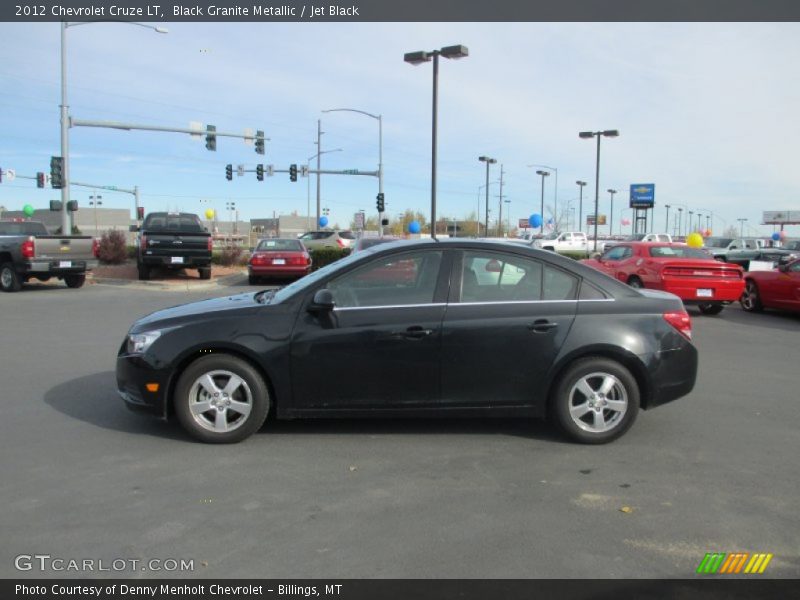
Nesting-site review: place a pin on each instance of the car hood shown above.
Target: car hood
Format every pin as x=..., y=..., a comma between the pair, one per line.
x=213, y=307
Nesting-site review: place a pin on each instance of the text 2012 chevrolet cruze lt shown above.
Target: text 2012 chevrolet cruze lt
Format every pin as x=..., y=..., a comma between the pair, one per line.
x=456, y=328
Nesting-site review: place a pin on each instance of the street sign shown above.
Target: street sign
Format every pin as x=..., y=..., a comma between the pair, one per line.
x=249, y=136
x=350, y=172
x=524, y=223
x=643, y=195
x=304, y=171
x=270, y=170
x=11, y=175
x=240, y=170
x=359, y=219
x=198, y=126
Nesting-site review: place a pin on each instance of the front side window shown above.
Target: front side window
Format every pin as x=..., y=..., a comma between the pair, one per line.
x=395, y=280
x=616, y=253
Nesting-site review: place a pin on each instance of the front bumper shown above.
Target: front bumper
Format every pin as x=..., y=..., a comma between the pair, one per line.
x=133, y=375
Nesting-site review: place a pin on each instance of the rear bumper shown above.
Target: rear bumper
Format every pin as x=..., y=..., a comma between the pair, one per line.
x=168, y=261
x=278, y=271
x=721, y=291
x=673, y=373
x=56, y=267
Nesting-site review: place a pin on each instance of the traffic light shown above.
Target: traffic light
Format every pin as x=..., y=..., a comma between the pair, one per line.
x=380, y=204
x=55, y=205
x=292, y=172
x=211, y=138
x=259, y=142
x=229, y=172
x=72, y=205
x=260, y=172
x=40, y=180
x=140, y=213
x=57, y=172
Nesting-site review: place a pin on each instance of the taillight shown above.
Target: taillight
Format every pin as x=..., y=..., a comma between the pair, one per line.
x=308, y=258
x=341, y=243
x=28, y=248
x=96, y=248
x=680, y=320
x=210, y=243
x=143, y=242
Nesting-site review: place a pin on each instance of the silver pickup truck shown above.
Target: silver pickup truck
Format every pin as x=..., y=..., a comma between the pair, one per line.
x=28, y=251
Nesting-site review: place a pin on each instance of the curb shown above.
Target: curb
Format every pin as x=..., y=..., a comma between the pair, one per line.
x=181, y=286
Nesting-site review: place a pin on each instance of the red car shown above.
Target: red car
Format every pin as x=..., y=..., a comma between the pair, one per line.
x=773, y=289
x=690, y=273
x=278, y=257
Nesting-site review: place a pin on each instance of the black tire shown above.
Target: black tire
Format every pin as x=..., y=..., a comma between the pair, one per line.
x=751, y=298
x=205, y=272
x=75, y=280
x=252, y=280
x=144, y=272
x=635, y=283
x=708, y=308
x=9, y=279
x=252, y=392
x=591, y=427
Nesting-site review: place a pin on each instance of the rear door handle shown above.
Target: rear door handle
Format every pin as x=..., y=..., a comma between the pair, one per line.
x=542, y=326
x=416, y=333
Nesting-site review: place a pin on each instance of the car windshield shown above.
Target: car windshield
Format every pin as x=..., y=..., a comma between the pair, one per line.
x=279, y=245
x=678, y=252
x=718, y=242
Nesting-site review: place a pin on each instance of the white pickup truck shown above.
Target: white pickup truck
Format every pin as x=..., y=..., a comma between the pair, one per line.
x=566, y=241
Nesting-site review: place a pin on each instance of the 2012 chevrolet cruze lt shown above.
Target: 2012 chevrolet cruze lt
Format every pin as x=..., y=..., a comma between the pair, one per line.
x=456, y=328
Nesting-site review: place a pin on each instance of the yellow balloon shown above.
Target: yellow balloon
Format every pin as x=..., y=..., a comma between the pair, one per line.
x=209, y=213
x=695, y=240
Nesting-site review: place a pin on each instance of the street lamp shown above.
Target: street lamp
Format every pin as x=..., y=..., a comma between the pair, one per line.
x=508, y=216
x=666, y=222
x=488, y=161
x=95, y=201
x=308, y=186
x=581, y=185
x=689, y=221
x=65, y=118
x=585, y=135
x=417, y=58
x=741, y=229
x=379, y=118
x=555, y=192
x=611, y=216
x=680, y=221
x=541, y=213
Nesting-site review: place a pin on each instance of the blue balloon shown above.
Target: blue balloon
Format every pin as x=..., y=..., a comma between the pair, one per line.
x=535, y=220
x=414, y=227
x=323, y=221
x=776, y=236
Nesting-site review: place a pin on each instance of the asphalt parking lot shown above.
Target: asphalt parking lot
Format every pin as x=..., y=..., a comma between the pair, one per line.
x=83, y=477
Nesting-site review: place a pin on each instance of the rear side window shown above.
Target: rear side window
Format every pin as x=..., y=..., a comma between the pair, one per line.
x=316, y=235
x=559, y=285
x=590, y=292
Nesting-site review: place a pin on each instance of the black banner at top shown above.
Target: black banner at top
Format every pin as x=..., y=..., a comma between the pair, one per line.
x=403, y=10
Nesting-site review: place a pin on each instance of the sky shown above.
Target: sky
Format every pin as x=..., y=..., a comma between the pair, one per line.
x=708, y=112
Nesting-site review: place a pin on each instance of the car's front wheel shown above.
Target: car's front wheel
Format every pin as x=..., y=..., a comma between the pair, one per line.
x=221, y=399
x=750, y=300
x=595, y=401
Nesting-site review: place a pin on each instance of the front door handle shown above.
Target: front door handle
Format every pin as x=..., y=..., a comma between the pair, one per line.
x=542, y=326
x=416, y=333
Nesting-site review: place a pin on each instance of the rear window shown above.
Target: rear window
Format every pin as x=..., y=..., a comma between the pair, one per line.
x=347, y=235
x=23, y=228
x=279, y=245
x=678, y=252
x=185, y=223
x=316, y=235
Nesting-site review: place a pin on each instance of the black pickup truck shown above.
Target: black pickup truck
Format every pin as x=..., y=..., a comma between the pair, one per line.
x=173, y=241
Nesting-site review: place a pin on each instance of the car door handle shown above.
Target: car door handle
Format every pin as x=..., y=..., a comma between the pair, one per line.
x=542, y=326
x=415, y=333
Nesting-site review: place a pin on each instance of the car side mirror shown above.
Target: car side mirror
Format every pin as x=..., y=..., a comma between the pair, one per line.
x=133, y=228
x=323, y=301
x=597, y=256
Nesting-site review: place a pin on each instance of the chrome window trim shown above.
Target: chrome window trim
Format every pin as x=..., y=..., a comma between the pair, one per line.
x=343, y=308
x=450, y=304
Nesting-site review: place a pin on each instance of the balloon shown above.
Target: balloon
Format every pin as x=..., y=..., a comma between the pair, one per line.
x=782, y=233
x=775, y=236
x=323, y=221
x=626, y=221
x=535, y=220
x=707, y=233
x=209, y=213
x=695, y=240
x=28, y=210
x=414, y=227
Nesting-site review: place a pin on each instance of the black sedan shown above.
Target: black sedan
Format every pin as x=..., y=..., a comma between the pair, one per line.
x=431, y=328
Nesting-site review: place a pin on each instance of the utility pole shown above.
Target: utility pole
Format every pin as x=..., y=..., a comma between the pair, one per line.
x=500, y=214
x=319, y=153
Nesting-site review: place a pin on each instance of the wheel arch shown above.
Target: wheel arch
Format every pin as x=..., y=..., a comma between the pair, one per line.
x=628, y=360
x=193, y=354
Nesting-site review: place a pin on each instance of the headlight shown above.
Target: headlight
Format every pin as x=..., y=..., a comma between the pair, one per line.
x=138, y=343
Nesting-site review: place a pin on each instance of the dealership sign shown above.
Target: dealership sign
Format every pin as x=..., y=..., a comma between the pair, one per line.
x=643, y=195
x=781, y=217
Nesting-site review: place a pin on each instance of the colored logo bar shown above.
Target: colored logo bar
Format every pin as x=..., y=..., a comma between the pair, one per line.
x=721, y=563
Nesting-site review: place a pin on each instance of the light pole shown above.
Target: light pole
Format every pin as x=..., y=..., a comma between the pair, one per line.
x=541, y=213
x=689, y=222
x=417, y=58
x=741, y=228
x=488, y=161
x=611, y=216
x=666, y=223
x=308, y=186
x=95, y=201
x=65, y=118
x=588, y=135
x=379, y=118
x=680, y=221
x=508, y=217
x=555, y=192
x=581, y=185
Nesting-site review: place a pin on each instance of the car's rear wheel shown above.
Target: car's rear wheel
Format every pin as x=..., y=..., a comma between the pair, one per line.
x=751, y=300
x=595, y=401
x=75, y=281
x=9, y=280
x=204, y=272
x=635, y=282
x=252, y=279
x=144, y=272
x=221, y=399
x=708, y=308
